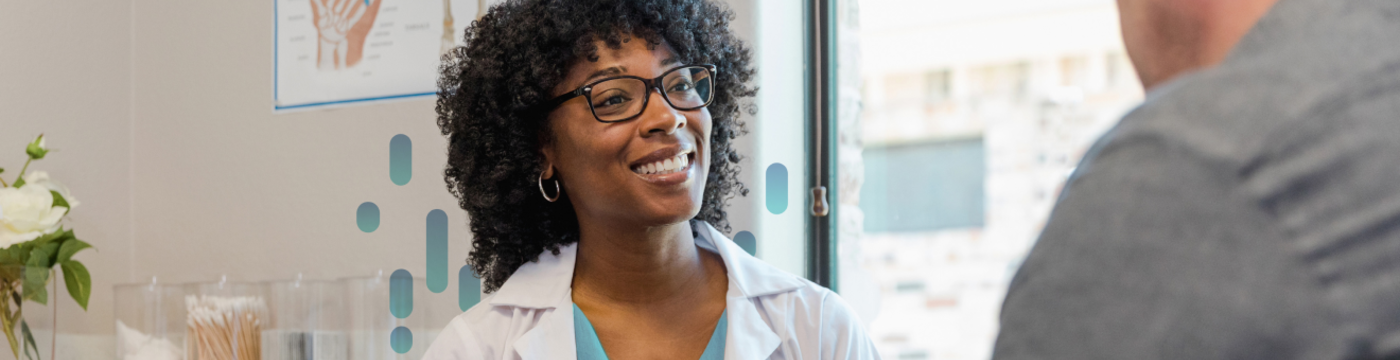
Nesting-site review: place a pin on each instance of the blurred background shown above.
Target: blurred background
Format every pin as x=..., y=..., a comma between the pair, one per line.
x=971, y=114
x=956, y=123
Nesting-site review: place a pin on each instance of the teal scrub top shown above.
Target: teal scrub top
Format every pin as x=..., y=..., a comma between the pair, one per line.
x=590, y=348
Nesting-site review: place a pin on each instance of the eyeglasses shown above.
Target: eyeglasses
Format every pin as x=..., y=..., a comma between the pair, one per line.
x=623, y=98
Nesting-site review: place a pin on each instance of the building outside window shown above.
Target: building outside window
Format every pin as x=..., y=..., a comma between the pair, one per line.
x=966, y=118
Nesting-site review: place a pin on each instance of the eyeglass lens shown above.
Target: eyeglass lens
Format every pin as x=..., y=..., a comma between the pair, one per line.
x=686, y=88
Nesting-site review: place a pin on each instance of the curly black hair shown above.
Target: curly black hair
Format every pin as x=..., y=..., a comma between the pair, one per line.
x=513, y=57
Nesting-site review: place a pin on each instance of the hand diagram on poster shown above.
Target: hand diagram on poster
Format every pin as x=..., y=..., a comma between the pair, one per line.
x=342, y=26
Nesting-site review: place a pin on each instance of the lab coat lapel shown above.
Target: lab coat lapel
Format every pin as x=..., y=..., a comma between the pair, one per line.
x=544, y=286
x=552, y=339
x=749, y=337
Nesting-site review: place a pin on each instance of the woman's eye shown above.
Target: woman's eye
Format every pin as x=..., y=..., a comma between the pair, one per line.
x=682, y=86
x=613, y=101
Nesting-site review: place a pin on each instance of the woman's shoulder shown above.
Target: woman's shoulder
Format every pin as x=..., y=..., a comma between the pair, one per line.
x=810, y=301
x=816, y=315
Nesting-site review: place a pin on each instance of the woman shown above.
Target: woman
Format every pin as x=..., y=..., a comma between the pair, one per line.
x=591, y=144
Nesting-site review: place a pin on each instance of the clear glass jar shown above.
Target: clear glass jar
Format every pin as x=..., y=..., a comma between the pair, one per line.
x=308, y=321
x=225, y=320
x=150, y=322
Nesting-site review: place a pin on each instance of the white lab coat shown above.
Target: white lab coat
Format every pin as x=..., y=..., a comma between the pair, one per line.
x=772, y=314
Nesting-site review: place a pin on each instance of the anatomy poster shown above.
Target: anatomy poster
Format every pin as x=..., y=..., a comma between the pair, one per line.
x=337, y=52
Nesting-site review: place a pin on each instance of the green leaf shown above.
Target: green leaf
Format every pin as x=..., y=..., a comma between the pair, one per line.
x=35, y=279
x=23, y=251
x=19, y=182
x=43, y=255
x=56, y=236
x=15, y=255
x=79, y=282
x=58, y=200
x=29, y=341
x=9, y=258
x=64, y=235
x=70, y=247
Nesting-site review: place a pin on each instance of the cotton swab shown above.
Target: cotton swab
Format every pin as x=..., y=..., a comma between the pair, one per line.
x=226, y=328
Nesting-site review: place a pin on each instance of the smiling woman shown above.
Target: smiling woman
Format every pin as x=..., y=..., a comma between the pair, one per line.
x=591, y=144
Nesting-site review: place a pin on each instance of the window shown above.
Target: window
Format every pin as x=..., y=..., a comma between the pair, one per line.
x=956, y=124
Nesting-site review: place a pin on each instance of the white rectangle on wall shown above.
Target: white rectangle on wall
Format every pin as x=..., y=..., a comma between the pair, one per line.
x=338, y=52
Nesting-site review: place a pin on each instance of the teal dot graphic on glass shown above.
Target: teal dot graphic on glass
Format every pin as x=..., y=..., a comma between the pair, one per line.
x=367, y=217
x=468, y=288
x=400, y=159
x=437, y=251
x=775, y=188
x=747, y=242
x=401, y=339
x=401, y=293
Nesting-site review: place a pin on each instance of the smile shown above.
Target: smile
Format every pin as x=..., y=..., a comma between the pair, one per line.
x=670, y=165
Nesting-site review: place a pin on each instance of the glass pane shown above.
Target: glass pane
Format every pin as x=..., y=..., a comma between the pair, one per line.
x=959, y=121
x=779, y=160
x=771, y=219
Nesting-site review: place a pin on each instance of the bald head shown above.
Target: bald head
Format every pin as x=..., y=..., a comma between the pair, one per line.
x=1166, y=38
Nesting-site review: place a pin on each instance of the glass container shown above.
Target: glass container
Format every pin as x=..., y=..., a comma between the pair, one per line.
x=150, y=322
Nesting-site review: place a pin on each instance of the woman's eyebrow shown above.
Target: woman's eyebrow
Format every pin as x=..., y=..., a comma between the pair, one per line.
x=622, y=69
x=609, y=71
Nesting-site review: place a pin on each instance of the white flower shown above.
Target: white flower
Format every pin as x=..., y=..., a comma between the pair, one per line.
x=28, y=213
x=41, y=179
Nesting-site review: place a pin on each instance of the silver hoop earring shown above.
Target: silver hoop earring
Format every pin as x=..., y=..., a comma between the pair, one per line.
x=557, y=191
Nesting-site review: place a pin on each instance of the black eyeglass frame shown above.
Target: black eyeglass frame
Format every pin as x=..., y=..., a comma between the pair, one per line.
x=654, y=83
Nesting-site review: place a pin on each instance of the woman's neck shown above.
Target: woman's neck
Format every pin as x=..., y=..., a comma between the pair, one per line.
x=645, y=268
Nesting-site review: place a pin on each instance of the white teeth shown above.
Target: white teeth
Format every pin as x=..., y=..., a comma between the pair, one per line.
x=667, y=166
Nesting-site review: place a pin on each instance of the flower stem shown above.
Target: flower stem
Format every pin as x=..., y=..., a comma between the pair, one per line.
x=21, y=170
x=7, y=320
x=53, y=337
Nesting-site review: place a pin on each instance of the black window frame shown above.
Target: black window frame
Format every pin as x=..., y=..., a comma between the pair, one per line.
x=821, y=135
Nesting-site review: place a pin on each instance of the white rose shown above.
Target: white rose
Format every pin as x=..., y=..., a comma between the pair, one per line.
x=41, y=179
x=26, y=213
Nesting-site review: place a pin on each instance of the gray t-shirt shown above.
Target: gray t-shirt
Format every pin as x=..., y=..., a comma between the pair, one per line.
x=1248, y=211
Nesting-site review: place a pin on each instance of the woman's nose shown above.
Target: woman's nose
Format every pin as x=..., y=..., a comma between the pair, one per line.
x=659, y=117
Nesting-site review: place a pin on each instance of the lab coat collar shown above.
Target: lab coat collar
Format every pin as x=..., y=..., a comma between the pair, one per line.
x=748, y=275
x=540, y=284
x=546, y=283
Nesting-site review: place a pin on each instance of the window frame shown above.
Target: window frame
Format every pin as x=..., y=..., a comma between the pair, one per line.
x=821, y=106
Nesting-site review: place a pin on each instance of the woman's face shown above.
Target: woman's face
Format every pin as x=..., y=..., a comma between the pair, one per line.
x=612, y=171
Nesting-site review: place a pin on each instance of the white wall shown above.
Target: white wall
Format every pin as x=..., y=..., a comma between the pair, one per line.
x=66, y=72
x=224, y=186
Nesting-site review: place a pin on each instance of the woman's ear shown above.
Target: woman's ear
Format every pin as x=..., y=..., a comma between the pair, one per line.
x=547, y=162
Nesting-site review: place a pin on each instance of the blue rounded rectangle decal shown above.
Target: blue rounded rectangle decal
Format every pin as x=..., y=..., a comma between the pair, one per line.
x=437, y=251
x=775, y=189
x=468, y=288
x=400, y=159
x=401, y=293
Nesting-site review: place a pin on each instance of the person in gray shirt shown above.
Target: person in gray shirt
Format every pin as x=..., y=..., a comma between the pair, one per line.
x=1248, y=209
